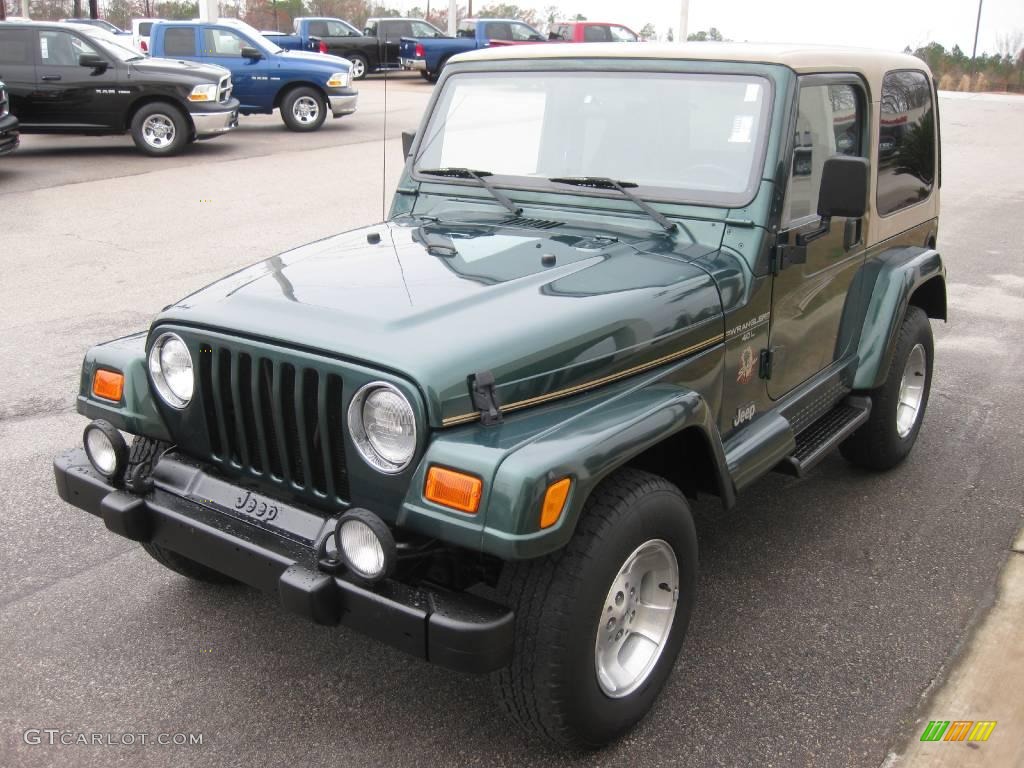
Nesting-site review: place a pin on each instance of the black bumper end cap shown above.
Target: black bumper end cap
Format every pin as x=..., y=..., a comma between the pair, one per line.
x=127, y=515
x=310, y=594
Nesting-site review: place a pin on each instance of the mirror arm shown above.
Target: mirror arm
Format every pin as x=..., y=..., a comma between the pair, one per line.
x=809, y=237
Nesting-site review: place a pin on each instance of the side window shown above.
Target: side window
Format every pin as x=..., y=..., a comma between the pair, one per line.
x=522, y=32
x=337, y=29
x=595, y=34
x=466, y=29
x=145, y=28
x=318, y=28
x=396, y=29
x=61, y=49
x=180, y=41
x=563, y=32
x=371, y=29
x=830, y=121
x=622, y=35
x=222, y=42
x=906, y=141
x=420, y=29
x=498, y=30
x=16, y=47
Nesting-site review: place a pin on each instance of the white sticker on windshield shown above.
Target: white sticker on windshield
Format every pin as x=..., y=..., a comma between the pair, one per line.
x=753, y=92
x=742, y=128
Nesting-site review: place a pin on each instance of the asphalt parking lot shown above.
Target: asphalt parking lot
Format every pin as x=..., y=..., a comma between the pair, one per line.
x=828, y=607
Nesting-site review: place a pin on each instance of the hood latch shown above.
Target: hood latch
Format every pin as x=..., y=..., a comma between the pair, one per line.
x=485, y=398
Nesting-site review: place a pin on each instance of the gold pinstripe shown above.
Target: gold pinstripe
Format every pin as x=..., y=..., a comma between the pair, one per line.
x=465, y=418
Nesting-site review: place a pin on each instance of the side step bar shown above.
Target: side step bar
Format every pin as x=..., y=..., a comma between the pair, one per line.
x=819, y=439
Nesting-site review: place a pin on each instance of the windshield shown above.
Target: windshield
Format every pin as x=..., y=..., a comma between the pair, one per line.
x=698, y=138
x=111, y=44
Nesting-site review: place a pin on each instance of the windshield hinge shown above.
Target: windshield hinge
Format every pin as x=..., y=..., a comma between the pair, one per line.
x=485, y=398
x=764, y=370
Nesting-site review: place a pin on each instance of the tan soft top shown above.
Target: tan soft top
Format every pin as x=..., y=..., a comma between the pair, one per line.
x=872, y=64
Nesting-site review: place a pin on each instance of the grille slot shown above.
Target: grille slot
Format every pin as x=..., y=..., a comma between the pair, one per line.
x=275, y=421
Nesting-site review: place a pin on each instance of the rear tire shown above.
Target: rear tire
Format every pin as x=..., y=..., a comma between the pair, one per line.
x=303, y=109
x=160, y=129
x=575, y=615
x=436, y=74
x=898, y=406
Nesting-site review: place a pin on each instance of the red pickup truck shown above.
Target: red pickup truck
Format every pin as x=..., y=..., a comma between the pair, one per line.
x=592, y=32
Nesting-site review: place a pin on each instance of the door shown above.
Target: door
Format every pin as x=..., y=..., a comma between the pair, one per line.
x=68, y=94
x=808, y=297
x=390, y=34
x=18, y=70
x=251, y=77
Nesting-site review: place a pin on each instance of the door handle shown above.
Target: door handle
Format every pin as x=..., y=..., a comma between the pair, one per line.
x=50, y=78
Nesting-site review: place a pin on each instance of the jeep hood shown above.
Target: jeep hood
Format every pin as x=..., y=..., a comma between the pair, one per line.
x=548, y=311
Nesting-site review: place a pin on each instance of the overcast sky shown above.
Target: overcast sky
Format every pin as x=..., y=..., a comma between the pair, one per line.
x=890, y=24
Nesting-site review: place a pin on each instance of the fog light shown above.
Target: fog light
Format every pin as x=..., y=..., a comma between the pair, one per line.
x=106, y=448
x=366, y=545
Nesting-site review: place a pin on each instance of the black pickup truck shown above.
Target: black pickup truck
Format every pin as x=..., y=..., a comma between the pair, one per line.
x=76, y=79
x=372, y=50
x=8, y=124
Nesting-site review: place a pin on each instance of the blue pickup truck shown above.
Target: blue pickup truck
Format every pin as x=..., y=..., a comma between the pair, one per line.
x=429, y=55
x=304, y=86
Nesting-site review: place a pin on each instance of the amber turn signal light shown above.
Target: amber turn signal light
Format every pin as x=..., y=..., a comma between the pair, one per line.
x=108, y=385
x=554, y=502
x=454, y=489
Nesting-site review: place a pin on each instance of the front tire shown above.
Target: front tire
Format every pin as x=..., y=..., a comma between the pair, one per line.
x=160, y=129
x=600, y=623
x=303, y=109
x=898, y=406
x=360, y=67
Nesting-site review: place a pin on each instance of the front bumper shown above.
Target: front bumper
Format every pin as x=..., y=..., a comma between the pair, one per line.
x=215, y=122
x=9, y=138
x=453, y=629
x=343, y=103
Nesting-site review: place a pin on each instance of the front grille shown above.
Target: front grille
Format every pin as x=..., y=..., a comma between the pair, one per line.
x=225, y=89
x=275, y=421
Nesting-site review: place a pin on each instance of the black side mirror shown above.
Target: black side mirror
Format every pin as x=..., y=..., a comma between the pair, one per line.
x=250, y=53
x=844, y=187
x=93, y=61
x=408, y=137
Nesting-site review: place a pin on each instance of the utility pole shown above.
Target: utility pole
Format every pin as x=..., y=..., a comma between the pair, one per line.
x=453, y=17
x=24, y=8
x=977, y=27
x=684, y=20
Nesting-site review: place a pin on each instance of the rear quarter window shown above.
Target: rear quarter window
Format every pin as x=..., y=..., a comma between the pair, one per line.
x=16, y=46
x=906, y=141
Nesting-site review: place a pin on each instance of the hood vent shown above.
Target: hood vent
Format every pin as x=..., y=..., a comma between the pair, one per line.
x=519, y=221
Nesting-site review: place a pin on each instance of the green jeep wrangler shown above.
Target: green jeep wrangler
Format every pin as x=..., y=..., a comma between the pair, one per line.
x=610, y=281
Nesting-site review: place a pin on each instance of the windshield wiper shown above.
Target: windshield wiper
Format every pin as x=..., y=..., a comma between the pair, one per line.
x=479, y=177
x=600, y=182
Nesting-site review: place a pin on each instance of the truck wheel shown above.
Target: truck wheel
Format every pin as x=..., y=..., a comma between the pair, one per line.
x=160, y=129
x=600, y=623
x=359, y=66
x=185, y=566
x=303, y=109
x=436, y=74
x=898, y=406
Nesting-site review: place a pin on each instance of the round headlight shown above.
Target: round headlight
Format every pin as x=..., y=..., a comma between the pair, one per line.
x=383, y=427
x=170, y=367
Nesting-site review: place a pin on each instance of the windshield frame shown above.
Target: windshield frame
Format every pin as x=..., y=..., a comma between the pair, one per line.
x=667, y=195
